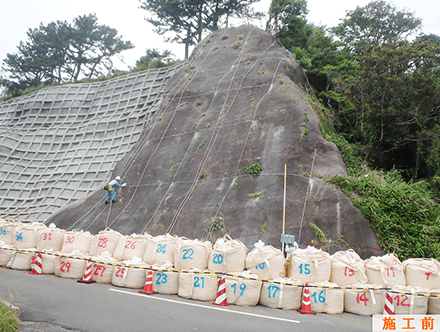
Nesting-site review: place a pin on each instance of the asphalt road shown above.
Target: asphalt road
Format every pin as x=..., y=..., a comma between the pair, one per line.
x=55, y=301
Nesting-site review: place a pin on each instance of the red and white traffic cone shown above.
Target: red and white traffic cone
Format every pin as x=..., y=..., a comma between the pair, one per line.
x=306, y=307
x=148, y=288
x=221, y=294
x=87, y=279
x=388, y=308
x=37, y=264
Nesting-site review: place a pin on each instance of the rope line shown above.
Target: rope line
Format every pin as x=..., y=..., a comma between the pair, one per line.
x=183, y=89
x=213, y=138
x=248, y=134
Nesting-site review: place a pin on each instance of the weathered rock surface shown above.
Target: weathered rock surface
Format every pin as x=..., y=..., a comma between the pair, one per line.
x=238, y=100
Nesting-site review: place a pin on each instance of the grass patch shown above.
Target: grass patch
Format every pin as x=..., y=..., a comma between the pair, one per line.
x=215, y=225
x=8, y=318
x=252, y=196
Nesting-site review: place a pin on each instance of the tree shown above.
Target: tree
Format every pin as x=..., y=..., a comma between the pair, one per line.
x=60, y=52
x=283, y=14
x=392, y=105
x=376, y=24
x=154, y=59
x=92, y=47
x=188, y=19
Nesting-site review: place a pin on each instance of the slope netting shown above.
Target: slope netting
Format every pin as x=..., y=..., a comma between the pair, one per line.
x=59, y=144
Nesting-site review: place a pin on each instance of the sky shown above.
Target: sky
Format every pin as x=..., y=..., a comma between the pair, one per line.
x=16, y=17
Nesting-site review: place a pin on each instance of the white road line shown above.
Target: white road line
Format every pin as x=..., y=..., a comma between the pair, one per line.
x=206, y=307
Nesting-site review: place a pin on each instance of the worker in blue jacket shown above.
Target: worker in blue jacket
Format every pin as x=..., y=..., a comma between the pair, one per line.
x=111, y=192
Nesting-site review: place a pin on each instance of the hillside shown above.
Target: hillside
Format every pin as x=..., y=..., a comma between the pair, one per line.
x=186, y=140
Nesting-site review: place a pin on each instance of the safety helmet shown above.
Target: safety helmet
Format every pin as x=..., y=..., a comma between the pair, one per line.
x=118, y=178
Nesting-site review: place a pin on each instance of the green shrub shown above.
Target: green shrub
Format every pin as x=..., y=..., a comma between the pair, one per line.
x=405, y=216
x=253, y=169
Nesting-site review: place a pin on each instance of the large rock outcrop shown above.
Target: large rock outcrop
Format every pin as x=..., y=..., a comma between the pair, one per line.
x=238, y=100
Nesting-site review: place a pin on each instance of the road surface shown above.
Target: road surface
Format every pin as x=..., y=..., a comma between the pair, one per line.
x=55, y=301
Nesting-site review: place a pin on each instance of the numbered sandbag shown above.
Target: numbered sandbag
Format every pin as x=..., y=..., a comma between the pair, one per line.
x=241, y=291
x=366, y=302
x=198, y=286
x=130, y=246
x=103, y=268
x=266, y=261
x=71, y=267
x=49, y=258
x=309, y=265
x=326, y=298
x=228, y=255
x=27, y=235
x=405, y=304
x=281, y=294
x=347, y=268
x=132, y=275
x=20, y=260
x=106, y=240
x=165, y=281
x=434, y=302
x=6, y=253
x=51, y=238
x=192, y=254
x=76, y=240
x=422, y=272
x=7, y=231
x=386, y=270
x=161, y=248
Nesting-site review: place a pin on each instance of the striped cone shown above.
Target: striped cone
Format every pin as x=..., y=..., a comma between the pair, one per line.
x=221, y=294
x=37, y=264
x=388, y=308
x=148, y=288
x=87, y=279
x=306, y=307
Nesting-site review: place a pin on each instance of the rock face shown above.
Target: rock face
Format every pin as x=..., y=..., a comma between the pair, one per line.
x=238, y=100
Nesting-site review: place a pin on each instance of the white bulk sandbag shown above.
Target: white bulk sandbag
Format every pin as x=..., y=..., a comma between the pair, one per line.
x=281, y=296
x=72, y=267
x=366, y=302
x=434, y=302
x=131, y=246
x=76, y=240
x=347, y=268
x=326, y=299
x=228, y=255
x=106, y=240
x=51, y=238
x=197, y=286
x=132, y=275
x=49, y=259
x=102, y=268
x=386, y=270
x=422, y=272
x=266, y=261
x=26, y=235
x=192, y=254
x=6, y=253
x=409, y=304
x=160, y=248
x=7, y=231
x=21, y=260
x=164, y=281
x=309, y=265
x=241, y=291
